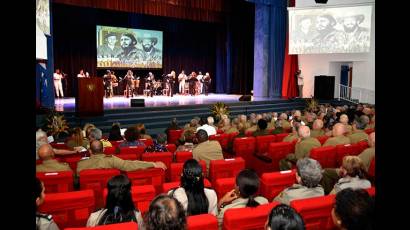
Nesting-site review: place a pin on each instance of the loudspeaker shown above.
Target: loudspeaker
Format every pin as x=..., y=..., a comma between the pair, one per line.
x=324, y=87
x=321, y=1
x=137, y=102
x=245, y=98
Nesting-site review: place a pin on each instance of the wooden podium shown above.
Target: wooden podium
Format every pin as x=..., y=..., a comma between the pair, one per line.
x=90, y=97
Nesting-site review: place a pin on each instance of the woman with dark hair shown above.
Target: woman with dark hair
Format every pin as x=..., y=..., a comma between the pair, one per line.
x=353, y=210
x=193, y=196
x=115, y=133
x=165, y=213
x=77, y=139
x=244, y=194
x=43, y=221
x=284, y=217
x=131, y=138
x=119, y=206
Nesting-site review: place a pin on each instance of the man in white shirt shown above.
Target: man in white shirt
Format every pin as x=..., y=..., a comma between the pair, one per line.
x=81, y=74
x=201, y=84
x=181, y=79
x=58, y=86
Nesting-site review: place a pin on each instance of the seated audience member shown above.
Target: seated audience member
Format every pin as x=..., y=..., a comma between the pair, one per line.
x=96, y=134
x=210, y=129
x=142, y=131
x=99, y=160
x=211, y=121
x=43, y=221
x=261, y=130
x=50, y=164
x=344, y=119
x=308, y=176
x=77, y=139
x=278, y=127
x=244, y=194
x=253, y=125
x=192, y=195
x=368, y=154
x=86, y=129
x=41, y=139
x=353, y=210
x=294, y=134
x=234, y=126
x=115, y=133
x=172, y=126
x=284, y=217
x=302, y=148
x=192, y=125
x=186, y=142
x=206, y=150
x=243, y=121
x=119, y=206
x=159, y=144
x=317, y=130
x=358, y=133
x=338, y=138
x=353, y=175
x=131, y=138
x=165, y=213
x=284, y=121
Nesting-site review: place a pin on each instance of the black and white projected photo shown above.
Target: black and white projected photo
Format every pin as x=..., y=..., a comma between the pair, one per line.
x=330, y=30
x=43, y=16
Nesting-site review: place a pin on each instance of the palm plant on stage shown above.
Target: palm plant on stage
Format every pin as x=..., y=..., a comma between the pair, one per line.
x=55, y=124
x=312, y=104
x=219, y=109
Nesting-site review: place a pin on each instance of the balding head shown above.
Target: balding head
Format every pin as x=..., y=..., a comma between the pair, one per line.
x=339, y=129
x=96, y=147
x=304, y=131
x=317, y=124
x=46, y=152
x=344, y=119
x=372, y=139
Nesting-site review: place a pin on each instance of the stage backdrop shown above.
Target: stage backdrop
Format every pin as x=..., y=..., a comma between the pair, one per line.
x=224, y=49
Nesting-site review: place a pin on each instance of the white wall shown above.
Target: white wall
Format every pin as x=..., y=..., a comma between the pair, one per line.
x=323, y=64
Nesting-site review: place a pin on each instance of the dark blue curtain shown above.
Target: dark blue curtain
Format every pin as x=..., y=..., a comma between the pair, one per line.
x=344, y=75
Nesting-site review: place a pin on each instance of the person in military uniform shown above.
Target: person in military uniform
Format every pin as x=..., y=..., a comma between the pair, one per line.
x=344, y=119
x=130, y=54
x=206, y=150
x=308, y=176
x=110, y=49
x=43, y=221
x=353, y=38
x=49, y=164
x=325, y=37
x=99, y=160
x=294, y=134
x=358, y=133
x=96, y=134
x=206, y=80
x=338, y=138
x=261, y=131
x=152, y=56
x=302, y=148
x=283, y=117
x=368, y=154
x=317, y=130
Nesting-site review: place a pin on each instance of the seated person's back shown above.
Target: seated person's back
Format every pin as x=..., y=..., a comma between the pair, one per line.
x=206, y=150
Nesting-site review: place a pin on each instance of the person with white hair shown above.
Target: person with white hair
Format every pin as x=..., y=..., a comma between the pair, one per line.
x=344, y=119
x=284, y=121
x=317, y=130
x=358, y=133
x=308, y=176
x=210, y=129
x=338, y=138
x=41, y=139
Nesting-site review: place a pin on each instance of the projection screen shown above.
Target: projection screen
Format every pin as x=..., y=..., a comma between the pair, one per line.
x=330, y=30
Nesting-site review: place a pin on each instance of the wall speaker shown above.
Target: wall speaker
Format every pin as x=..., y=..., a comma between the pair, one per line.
x=245, y=98
x=137, y=102
x=321, y=1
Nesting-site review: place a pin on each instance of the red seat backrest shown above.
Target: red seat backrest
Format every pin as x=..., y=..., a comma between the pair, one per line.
x=120, y=226
x=275, y=182
x=326, y=156
x=262, y=143
x=150, y=176
x=182, y=156
x=164, y=157
x=96, y=179
x=171, y=147
x=69, y=208
x=277, y=151
x=223, y=140
x=322, y=139
x=147, y=142
x=361, y=146
x=224, y=185
x=244, y=147
x=142, y=195
x=72, y=160
x=110, y=150
x=202, y=222
x=372, y=169
x=116, y=143
x=128, y=156
x=55, y=182
x=281, y=136
x=225, y=168
x=344, y=150
x=137, y=150
x=219, y=131
x=315, y=211
x=368, y=131
x=249, y=218
x=59, y=145
x=176, y=170
x=371, y=191
x=170, y=185
x=174, y=135
x=249, y=133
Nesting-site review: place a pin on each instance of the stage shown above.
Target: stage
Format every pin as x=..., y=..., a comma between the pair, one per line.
x=121, y=102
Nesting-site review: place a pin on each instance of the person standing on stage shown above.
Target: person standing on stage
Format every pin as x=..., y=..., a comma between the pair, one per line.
x=151, y=82
x=108, y=84
x=171, y=81
x=58, y=86
x=129, y=80
x=181, y=79
x=192, y=84
x=81, y=74
x=207, y=83
x=201, y=84
x=299, y=79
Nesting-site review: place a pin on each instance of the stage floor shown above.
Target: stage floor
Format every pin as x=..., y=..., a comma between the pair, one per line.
x=68, y=104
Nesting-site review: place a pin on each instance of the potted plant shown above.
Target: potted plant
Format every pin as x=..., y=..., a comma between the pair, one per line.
x=219, y=109
x=56, y=124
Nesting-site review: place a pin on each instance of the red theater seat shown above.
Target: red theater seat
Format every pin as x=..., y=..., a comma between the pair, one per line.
x=371, y=191
x=150, y=176
x=59, y=145
x=128, y=156
x=116, y=143
x=277, y=151
x=281, y=136
x=147, y=142
x=322, y=139
x=249, y=133
x=202, y=222
x=369, y=131
x=96, y=179
x=164, y=157
x=315, y=211
x=249, y=218
x=225, y=168
x=372, y=169
x=219, y=131
x=69, y=208
x=137, y=150
x=344, y=150
x=174, y=135
x=170, y=185
x=244, y=147
x=224, y=185
x=275, y=182
x=223, y=140
x=181, y=157
x=142, y=195
x=262, y=143
x=72, y=161
x=361, y=146
x=326, y=156
x=55, y=182
x=176, y=170
x=171, y=147
x=110, y=150
x=120, y=226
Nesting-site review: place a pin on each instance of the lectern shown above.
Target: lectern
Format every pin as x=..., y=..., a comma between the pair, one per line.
x=90, y=97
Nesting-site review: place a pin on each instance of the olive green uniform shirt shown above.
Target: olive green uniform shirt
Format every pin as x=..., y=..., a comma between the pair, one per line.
x=297, y=191
x=357, y=136
x=286, y=124
x=302, y=149
x=317, y=132
x=207, y=151
x=291, y=137
x=367, y=156
x=52, y=166
x=231, y=130
x=339, y=140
